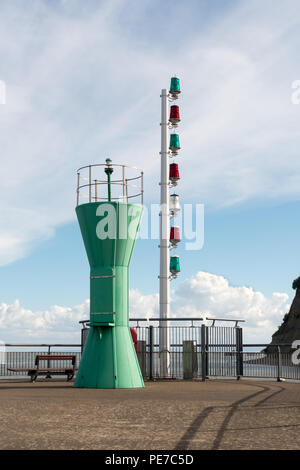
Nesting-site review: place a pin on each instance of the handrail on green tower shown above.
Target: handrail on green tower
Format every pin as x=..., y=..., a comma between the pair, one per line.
x=123, y=183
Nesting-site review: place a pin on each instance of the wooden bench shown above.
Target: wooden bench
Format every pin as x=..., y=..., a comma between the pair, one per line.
x=48, y=371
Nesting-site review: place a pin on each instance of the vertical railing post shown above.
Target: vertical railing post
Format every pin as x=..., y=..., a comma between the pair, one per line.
x=142, y=187
x=96, y=190
x=206, y=349
x=90, y=183
x=78, y=184
x=151, y=352
x=203, y=352
x=239, y=352
x=279, y=364
x=49, y=352
x=48, y=376
x=123, y=183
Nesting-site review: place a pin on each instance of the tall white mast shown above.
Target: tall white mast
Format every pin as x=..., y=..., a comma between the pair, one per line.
x=164, y=278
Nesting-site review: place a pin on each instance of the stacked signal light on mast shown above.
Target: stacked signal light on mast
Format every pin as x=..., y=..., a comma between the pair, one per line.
x=174, y=176
x=169, y=235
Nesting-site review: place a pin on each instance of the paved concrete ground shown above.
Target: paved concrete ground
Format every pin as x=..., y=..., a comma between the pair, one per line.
x=217, y=414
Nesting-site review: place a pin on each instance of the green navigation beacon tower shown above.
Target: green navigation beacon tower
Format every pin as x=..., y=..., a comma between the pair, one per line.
x=109, y=226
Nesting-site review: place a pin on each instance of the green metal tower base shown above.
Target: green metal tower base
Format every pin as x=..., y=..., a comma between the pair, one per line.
x=109, y=359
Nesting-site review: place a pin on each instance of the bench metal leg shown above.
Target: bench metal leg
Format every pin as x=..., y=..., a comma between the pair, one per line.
x=33, y=377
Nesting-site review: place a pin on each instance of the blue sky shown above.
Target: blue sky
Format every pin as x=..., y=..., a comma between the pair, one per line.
x=253, y=247
x=83, y=82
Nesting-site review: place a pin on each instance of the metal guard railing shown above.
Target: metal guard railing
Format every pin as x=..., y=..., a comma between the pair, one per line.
x=190, y=358
x=121, y=184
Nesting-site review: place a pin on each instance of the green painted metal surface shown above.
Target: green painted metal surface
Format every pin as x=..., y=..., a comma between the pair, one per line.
x=174, y=264
x=174, y=142
x=175, y=84
x=109, y=359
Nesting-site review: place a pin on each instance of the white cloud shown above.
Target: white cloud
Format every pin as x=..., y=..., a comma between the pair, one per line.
x=143, y=306
x=209, y=295
x=56, y=325
x=202, y=295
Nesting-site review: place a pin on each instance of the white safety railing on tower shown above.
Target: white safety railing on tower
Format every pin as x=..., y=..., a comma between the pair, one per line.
x=109, y=182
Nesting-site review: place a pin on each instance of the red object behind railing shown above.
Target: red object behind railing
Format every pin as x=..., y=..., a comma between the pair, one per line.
x=134, y=338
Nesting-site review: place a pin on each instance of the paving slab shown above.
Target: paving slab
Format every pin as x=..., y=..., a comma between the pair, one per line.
x=166, y=415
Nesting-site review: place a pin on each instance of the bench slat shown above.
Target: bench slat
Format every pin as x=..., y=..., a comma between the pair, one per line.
x=41, y=370
x=54, y=370
x=57, y=358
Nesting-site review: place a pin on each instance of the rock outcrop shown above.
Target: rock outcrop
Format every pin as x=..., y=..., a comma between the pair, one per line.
x=289, y=330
